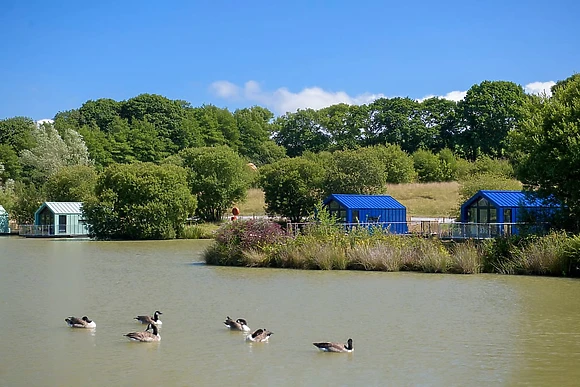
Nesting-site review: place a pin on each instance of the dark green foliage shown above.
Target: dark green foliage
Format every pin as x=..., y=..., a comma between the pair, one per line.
x=300, y=132
x=292, y=187
x=218, y=176
x=488, y=113
x=548, y=146
x=17, y=132
x=28, y=199
x=139, y=201
x=9, y=160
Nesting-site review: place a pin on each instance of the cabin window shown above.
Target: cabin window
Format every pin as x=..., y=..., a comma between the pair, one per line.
x=355, y=216
x=335, y=209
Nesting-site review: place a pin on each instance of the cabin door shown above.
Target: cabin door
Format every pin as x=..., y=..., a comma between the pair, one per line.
x=62, y=224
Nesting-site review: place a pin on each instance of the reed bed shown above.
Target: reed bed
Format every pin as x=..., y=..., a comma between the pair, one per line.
x=330, y=248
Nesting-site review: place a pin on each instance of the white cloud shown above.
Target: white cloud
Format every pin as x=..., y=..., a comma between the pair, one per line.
x=44, y=121
x=455, y=95
x=539, y=88
x=283, y=100
x=225, y=89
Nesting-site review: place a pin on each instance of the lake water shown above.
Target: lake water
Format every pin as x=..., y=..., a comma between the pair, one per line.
x=409, y=329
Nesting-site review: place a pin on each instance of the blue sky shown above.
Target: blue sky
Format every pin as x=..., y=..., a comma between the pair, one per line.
x=55, y=55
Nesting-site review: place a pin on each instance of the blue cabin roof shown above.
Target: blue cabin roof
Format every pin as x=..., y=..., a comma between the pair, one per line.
x=364, y=201
x=509, y=199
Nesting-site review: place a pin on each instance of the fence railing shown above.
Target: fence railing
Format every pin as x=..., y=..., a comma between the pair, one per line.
x=51, y=230
x=443, y=230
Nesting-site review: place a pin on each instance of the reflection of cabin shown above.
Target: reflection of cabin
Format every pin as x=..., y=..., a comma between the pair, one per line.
x=491, y=213
x=4, y=229
x=368, y=210
x=57, y=219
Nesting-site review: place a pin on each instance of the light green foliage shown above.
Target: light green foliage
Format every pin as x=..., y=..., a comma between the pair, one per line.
x=496, y=167
x=487, y=181
x=448, y=164
x=7, y=195
x=549, y=148
x=219, y=177
x=53, y=151
x=427, y=165
x=139, y=201
x=292, y=187
x=398, y=164
x=359, y=171
x=74, y=183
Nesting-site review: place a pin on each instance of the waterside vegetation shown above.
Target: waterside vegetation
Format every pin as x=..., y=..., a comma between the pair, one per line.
x=325, y=246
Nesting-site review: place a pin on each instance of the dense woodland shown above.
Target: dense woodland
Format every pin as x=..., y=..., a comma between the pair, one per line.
x=496, y=129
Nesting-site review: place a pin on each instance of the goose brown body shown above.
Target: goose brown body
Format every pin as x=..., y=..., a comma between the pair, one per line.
x=260, y=335
x=328, y=346
x=83, y=322
x=237, y=325
x=145, y=336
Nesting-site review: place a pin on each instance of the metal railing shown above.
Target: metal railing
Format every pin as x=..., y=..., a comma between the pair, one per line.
x=442, y=230
x=50, y=230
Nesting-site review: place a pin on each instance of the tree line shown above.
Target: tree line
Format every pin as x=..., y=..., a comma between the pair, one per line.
x=346, y=148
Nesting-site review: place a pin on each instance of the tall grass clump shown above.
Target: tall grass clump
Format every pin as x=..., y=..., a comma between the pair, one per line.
x=467, y=258
x=543, y=255
x=199, y=231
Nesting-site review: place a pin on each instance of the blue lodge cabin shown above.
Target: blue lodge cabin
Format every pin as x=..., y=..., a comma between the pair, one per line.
x=58, y=219
x=368, y=209
x=4, y=229
x=491, y=213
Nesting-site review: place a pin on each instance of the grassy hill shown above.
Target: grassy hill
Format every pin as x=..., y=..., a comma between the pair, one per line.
x=421, y=199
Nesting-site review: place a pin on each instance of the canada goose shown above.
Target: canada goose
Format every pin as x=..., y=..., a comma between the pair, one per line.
x=335, y=347
x=145, y=336
x=260, y=335
x=149, y=319
x=84, y=322
x=238, y=325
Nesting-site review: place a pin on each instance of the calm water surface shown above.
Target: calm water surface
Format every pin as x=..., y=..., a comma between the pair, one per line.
x=409, y=329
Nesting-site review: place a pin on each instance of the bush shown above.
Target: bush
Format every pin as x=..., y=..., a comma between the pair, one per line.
x=427, y=165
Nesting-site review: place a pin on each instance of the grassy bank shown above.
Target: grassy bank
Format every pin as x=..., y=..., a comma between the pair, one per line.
x=260, y=243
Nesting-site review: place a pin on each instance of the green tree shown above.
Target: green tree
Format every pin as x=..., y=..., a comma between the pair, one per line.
x=427, y=165
x=218, y=176
x=292, y=187
x=10, y=162
x=17, y=132
x=488, y=113
x=359, y=171
x=139, y=201
x=301, y=131
x=344, y=124
x=255, y=129
x=101, y=113
x=438, y=115
x=398, y=121
x=449, y=164
x=549, y=149
x=75, y=183
x=398, y=164
x=28, y=200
